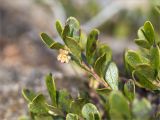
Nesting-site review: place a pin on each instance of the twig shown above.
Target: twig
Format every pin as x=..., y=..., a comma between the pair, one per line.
x=94, y=74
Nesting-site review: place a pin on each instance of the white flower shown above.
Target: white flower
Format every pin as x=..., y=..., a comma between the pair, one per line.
x=63, y=56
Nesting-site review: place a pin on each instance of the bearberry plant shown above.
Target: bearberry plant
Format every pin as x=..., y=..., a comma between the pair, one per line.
x=117, y=98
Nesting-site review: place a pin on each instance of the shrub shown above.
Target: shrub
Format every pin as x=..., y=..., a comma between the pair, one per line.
x=117, y=98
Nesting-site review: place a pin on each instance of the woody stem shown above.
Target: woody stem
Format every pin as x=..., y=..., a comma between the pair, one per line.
x=94, y=74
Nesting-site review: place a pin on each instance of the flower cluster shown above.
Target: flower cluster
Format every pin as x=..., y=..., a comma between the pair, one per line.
x=63, y=56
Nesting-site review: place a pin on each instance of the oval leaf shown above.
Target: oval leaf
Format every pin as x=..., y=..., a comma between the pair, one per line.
x=119, y=104
x=155, y=57
x=28, y=95
x=144, y=82
x=74, y=28
x=91, y=45
x=50, y=42
x=38, y=105
x=132, y=59
x=111, y=76
x=140, y=33
x=142, y=43
x=149, y=32
x=141, y=109
x=129, y=90
x=73, y=46
x=59, y=27
x=89, y=111
x=71, y=116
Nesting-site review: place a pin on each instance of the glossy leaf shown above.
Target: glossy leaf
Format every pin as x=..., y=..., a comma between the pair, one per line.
x=140, y=34
x=146, y=70
x=155, y=57
x=28, y=95
x=59, y=27
x=132, y=59
x=142, y=43
x=149, y=32
x=111, y=76
x=89, y=112
x=91, y=45
x=119, y=104
x=129, y=90
x=50, y=42
x=144, y=82
x=51, y=89
x=71, y=116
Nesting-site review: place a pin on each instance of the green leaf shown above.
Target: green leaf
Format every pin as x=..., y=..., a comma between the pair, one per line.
x=155, y=57
x=158, y=8
x=73, y=46
x=59, y=27
x=71, y=116
x=28, y=95
x=142, y=43
x=89, y=111
x=77, y=105
x=65, y=33
x=129, y=90
x=104, y=56
x=104, y=49
x=42, y=117
x=116, y=115
x=91, y=45
x=58, y=118
x=51, y=89
x=146, y=70
x=101, y=64
x=64, y=100
x=132, y=59
x=111, y=76
x=119, y=104
x=144, y=82
x=140, y=34
x=54, y=111
x=74, y=28
x=141, y=109
x=104, y=91
x=38, y=105
x=149, y=32
x=50, y=42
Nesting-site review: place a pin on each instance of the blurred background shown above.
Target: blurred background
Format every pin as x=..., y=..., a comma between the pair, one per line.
x=25, y=60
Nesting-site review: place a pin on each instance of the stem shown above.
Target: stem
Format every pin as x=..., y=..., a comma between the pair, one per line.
x=94, y=74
